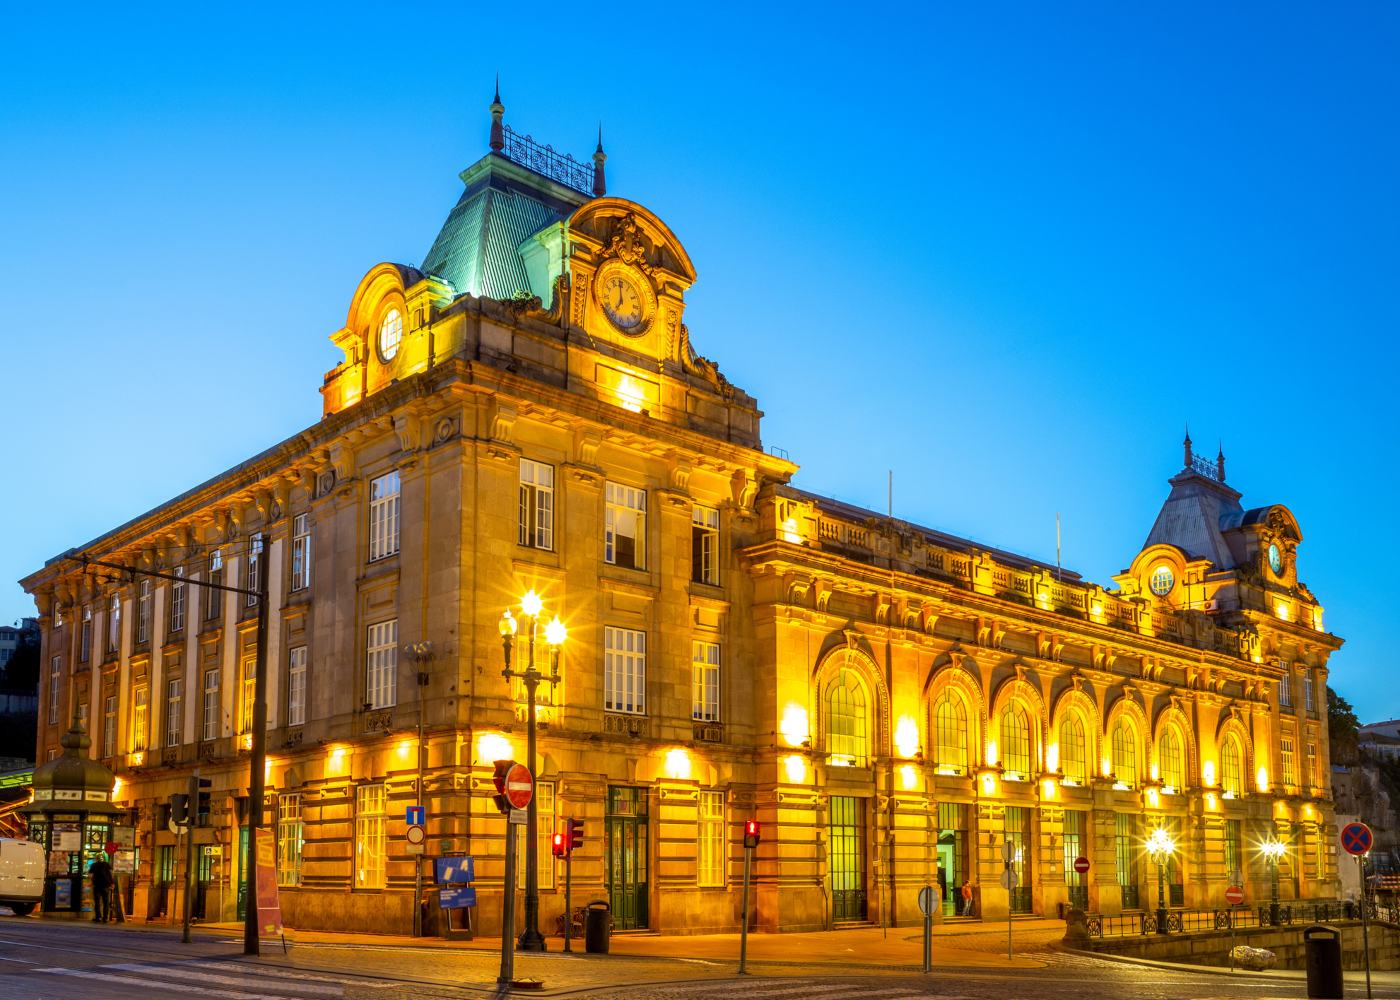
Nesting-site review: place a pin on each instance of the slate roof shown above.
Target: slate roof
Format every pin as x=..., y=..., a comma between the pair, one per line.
x=1192, y=516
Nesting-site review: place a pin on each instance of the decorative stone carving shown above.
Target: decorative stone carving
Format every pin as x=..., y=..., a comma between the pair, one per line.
x=628, y=244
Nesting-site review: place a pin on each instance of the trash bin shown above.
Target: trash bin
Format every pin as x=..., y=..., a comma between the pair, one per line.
x=595, y=927
x=1323, y=945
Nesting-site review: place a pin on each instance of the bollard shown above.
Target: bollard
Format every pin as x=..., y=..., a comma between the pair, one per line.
x=1323, y=945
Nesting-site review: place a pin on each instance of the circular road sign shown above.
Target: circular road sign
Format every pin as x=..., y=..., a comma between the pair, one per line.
x=1008, y=851
x=1234, y=895
x=415, y=834
x=1081, y=865
x=1008, y=878
x=927, y=900
x=1357, y=839
x=520, y=786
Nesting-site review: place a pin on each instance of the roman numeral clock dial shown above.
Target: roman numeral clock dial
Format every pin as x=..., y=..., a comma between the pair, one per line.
x=621, y=302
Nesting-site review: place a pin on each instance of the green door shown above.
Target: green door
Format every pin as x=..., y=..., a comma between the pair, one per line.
x=847, y=858
x=626, y=828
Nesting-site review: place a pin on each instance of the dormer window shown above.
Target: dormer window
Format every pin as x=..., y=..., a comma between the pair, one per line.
x=390, y=333
x=1162, y=581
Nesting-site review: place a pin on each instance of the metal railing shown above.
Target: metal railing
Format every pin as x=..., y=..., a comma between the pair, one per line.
x=542, y=159
x=1181, y=921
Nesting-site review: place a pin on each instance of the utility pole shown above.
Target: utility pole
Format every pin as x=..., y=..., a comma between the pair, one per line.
x=191, y=812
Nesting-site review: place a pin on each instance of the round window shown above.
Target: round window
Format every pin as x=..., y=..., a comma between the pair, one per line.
x=1162, y=581
x=390, y=333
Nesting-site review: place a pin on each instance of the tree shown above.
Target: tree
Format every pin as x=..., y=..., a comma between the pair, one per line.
x=1342, y=727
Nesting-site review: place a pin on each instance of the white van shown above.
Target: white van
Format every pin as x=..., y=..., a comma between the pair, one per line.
x=21, y=875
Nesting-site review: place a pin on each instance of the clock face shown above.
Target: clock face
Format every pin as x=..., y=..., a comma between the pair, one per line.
x=622, y=303
x=1275, y=560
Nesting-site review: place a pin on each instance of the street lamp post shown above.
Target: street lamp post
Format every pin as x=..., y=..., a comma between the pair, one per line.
x=1273, y=851
x=531, y=607
x=1160, y=847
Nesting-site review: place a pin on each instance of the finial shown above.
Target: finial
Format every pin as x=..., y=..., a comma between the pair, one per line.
x=1186, y=445
x=1220, y=462
x=600, y=184
x=498, y=139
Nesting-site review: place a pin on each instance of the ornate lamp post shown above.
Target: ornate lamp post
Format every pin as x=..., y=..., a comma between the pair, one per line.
x=1160, y=848
x=1273, y=850
x=531, y=608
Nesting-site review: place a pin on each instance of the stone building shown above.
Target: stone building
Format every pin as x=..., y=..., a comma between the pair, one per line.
x=526, y=411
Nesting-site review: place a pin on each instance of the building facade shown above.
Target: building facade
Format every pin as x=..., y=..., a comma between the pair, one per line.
x=525, y=412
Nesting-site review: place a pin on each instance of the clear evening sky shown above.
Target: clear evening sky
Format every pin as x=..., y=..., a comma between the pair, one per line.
x=1007, y=252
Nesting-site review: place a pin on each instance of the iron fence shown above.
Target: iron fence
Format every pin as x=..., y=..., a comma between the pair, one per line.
x=1182, y=921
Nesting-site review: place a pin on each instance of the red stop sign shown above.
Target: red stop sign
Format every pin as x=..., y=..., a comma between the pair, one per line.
x=1234, y=895
x=520, y=786
x=1081, y=865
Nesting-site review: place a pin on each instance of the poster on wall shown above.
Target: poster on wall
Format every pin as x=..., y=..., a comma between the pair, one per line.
x=63, y=894
x=67, y=837
x=265, y=875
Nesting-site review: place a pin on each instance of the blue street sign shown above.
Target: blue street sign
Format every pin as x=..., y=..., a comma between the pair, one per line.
x=458, y=898
x=1357, y=839
x=447, y=870
x=413, y=816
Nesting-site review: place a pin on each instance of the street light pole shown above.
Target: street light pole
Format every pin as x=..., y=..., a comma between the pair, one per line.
x=1160, y=847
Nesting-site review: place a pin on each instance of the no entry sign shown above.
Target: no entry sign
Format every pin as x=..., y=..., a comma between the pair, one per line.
x=1081, y=865
x=520, y=786
x=1234, y=895
x=1357, y=839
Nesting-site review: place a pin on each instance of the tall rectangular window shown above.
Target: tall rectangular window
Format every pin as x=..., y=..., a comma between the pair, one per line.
x=211, y=705
x=711, y=842
x=1285, y=690
x=1234, y=851
x=1313, y=778
x=177, y=600
x=382, y=664
x=140, y=710
x=624, y=670
x=109, y=726
x=301, y=552
x=247, y=694
x=252, y=569
x=704, y=544
x=114, y=623
x=536, y=504
x=85, y=635
x=143, y=611
x=624, y=541
x=1309, y=704
x=1126, y=849
x=383, y=516
x=296, y=686
x=55, y=676
x=1075, y=846
x=174, y=711
x=1290, y=774
x=214, y=605
x=370, y=839
x=545, y=827
x=704, y=665
x=289, y=839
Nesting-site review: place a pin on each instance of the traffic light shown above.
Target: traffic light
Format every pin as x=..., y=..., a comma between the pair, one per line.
x=560, y=850
x=502, y=769
x=575, y=834
x=201, y=812
x=180, y=809
x=751, y=835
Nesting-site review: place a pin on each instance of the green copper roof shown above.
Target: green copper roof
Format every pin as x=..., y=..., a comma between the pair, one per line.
x=504, y=204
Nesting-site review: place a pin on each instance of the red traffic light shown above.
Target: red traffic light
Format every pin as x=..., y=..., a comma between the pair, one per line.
x=502, y=769
x=751, y=833
x=559, y=847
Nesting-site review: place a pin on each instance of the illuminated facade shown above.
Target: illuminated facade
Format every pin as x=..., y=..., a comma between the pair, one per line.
x=526, y=411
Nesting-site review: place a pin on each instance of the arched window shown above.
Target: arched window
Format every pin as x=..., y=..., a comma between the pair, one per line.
x=1125, y=754
x=848, y=723
x=1170, y=762
x=1015, y=740
x=950, y=732
x=1074, y=754
x=1231, y=773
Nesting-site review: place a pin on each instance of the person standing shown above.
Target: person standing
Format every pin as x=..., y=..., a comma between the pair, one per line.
x=966, y=898
x=101, y=874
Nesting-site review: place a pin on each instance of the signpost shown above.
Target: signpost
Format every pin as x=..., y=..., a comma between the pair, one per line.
x=928, y=899
x=1081, y=865
x=1234, y=895
x=1357, y=841
x=447, y=871
x=413, y=816
x=520, y=786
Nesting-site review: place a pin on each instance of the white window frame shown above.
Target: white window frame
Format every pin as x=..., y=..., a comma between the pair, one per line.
x=143, y=611
x=174, y=711
x=301, y=552
x=252, y=568
x=55, y=686
x=109, y=726
x=1308, y=689
x=85, y=635
x=705, y=680
x=291, y=836
x=177, y=600
x=390, y=335
x=1286, y=759
x=1285, y=691
x=371, y=840
x=114, y=624
x=382, y=664
x=296, y=686
x=624, y=670
x=711, y=841
x=140, y=717
x=546, y=824
x=536, y=511
x=704, y=545
x=384, y=492
x=247, y=691
x=215, y=605
x=625, y=505
x=209, y=730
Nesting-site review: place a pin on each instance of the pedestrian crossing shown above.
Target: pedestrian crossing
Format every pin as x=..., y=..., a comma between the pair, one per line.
x=789, y=989
x=224, y=979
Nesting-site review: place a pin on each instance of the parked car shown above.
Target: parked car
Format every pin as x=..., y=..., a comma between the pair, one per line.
x=21, y=875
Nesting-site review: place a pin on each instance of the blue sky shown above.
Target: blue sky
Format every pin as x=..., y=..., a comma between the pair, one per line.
x=1006, y=251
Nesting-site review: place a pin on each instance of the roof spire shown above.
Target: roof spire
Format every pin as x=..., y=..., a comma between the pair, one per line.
x=1186, y=445
x=600, y=185
x=498, y=140
x=1220, y=462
